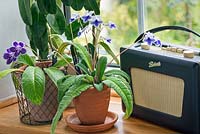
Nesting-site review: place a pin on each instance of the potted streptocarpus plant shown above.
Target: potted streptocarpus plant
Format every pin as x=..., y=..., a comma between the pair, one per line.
x=90, y=88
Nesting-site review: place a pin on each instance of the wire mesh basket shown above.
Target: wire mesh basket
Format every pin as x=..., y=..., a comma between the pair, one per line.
x=36, y=114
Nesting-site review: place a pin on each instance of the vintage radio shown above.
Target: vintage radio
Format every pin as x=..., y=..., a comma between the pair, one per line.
x=166, y=85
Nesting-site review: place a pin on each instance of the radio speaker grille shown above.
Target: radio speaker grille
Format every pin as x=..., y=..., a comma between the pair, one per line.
x=157, y=91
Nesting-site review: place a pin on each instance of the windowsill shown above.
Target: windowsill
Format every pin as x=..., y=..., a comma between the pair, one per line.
x=10, y=123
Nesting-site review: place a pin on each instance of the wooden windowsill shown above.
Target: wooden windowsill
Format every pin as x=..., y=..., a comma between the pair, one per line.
x=10, y=123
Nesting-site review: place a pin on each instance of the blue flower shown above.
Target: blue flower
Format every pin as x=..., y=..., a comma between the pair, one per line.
x=108, y=40
x=13, y=52
x=87, y=16
x=96, y=20
x=112, y=25
x=149, y=38
x=85, y=29
x=74, y=18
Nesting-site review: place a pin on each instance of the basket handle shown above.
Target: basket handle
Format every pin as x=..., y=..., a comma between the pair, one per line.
x=162, y=28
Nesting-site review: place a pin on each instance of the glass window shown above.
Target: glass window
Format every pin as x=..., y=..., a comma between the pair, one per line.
x=174, y=12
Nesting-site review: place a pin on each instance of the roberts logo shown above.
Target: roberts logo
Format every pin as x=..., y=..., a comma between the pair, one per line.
x=154, y=64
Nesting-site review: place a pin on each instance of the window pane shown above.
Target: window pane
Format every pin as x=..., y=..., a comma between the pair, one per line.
x=174, y=12
x=124, y=14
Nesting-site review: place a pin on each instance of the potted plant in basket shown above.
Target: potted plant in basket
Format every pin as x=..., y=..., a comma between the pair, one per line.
x=37, y=94
x=90, y=88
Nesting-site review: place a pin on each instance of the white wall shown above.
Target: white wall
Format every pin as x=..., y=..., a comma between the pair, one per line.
x=11, y=28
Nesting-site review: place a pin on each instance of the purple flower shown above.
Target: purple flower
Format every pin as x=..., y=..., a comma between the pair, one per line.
x=149, y=38
x=96, y=21
x=157, y=42
x=112, y=25
x=18, y=48
x=87, y=16
x=9, y=56
x=13, y=52
x=74, y=18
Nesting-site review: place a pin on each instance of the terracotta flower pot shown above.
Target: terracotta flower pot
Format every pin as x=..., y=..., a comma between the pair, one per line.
x=92, y=106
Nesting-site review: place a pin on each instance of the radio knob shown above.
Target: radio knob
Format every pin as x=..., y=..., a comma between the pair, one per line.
x=179, y=50
x=188, y=54
x=145, y=46
x=173, y=49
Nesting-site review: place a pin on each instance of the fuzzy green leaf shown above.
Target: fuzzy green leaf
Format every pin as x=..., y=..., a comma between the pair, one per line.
x=6, y=72
x=109, y=51
x=99, y=87
x=100, y=68
x=114, y=72
x=25, y=11
x=122, y=90
x=57, y=21
x=84, y=55
x=26, y=59
x=64, y=84
x=54, y=74
x=33, y=83
x=92, y=5
x=73, y=91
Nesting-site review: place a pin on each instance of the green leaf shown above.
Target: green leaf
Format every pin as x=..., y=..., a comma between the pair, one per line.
x=91, y=49
x=64, y=84
x=25, y=11
x=73, y=91
x=42, y=7
x=99, y=86
x=54, y=74
x=100, y=68
x=84, y=55
x=39, y=32
x=47, y=6
x=62, y=47
x=57, y=21
x=56, y=40
x=6, y=72
x=92, y=5
x=33, y=83
x=67, y=2
x=26, y=59
x=59, y=3
x=109, y=51
x=122, y=90
x=83, y=68
x=63, y=61
x=77, y=4
x=114, y=72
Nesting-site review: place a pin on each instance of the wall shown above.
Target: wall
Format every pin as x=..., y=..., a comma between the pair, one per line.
x=11, y=29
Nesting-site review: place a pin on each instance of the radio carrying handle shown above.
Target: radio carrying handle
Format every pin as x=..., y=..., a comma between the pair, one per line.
x=163, y=28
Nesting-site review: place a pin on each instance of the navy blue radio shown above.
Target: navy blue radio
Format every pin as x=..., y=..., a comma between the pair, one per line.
x=165, y=82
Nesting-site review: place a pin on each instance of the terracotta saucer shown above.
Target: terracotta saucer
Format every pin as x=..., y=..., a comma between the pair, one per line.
x=74, y=123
